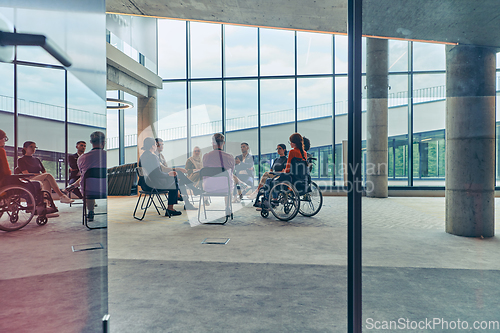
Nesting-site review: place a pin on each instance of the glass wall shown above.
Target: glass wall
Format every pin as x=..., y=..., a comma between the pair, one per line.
x=53, y=106
x=286, y=73
x=7, y=109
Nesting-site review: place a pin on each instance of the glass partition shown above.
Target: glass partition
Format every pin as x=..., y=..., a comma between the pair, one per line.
x=441, y=103
x=52, y=267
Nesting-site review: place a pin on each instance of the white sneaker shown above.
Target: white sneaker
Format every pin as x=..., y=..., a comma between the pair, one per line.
x=65, y=199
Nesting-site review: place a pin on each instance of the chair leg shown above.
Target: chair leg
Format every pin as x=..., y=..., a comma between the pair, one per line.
x=199, y=207
x=162, y=204
x=84, y=217
x=137, y=204
x=154, y=203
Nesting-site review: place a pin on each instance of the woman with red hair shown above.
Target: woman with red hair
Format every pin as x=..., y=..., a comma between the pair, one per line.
x=297, y=143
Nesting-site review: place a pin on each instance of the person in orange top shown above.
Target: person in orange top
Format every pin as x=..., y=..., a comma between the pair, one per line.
x=4, y=165
x=297, y=144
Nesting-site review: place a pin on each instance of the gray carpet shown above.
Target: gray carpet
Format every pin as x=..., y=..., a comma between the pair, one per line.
x=64, y=302
x=246, y=297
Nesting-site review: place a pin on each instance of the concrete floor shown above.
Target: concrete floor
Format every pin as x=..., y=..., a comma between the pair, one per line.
x=271, y=276
x=275, y=276
x=45, y=287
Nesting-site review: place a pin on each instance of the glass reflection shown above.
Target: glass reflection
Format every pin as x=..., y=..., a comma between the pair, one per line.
x=28, y=21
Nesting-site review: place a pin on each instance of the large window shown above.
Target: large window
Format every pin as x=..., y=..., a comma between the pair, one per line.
x=240, y=51
x=260, y=85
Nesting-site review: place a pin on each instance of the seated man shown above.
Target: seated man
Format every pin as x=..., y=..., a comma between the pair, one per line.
x=244, y=169
x=180, y=178
x=74, y=172
x=278, y=166
x=244, y=165
x=96, y=158
x=155, y=177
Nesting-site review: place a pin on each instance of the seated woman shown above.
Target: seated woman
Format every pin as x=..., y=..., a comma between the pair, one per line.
x=279, y=165
x=33, y=186
x=30, y=164
x=297, y=144
x=193, y=165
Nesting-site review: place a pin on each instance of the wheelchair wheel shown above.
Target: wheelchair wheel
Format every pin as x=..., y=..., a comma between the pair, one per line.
x=17, y=208
x=310, y=203
x=284, y=201
x=264, y=213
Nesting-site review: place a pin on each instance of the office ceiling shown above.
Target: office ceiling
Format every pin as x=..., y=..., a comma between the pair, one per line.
x=458, y=21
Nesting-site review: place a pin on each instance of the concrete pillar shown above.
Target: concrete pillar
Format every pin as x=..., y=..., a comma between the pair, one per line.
x=147, y=118
x=470, y=141
x=376, y=117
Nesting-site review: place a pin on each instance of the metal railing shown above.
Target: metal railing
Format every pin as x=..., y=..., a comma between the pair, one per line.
x=52, y=112
x=423, y=95
x=44, y=110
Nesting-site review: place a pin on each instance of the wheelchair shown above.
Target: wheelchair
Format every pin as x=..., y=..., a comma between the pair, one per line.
x=21, y=200
x=292, y=193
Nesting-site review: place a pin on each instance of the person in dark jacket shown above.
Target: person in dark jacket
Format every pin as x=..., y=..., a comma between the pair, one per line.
x=74, y=172
x=154, y=177
x=278, y=165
